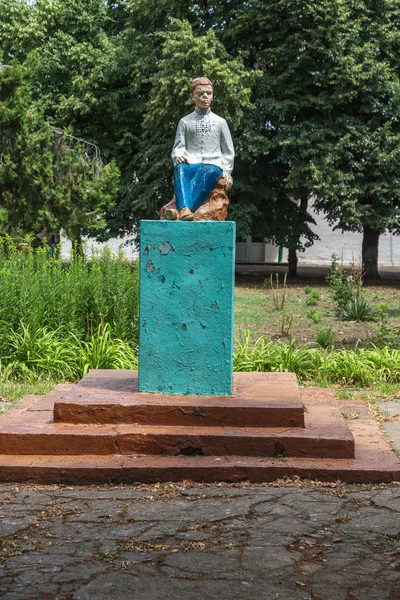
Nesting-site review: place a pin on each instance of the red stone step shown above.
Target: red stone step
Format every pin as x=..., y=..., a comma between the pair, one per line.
x=258, y=400
x=369, y=466
x=101, y=440
x=30, y=427
x=325, y=435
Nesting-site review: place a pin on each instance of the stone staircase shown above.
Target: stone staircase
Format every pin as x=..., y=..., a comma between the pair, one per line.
x=103, y=430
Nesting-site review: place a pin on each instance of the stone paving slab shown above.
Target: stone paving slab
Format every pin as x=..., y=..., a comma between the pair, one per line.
x=289, y=540
x=389, y=408
x=390, y=411
x=392, y=429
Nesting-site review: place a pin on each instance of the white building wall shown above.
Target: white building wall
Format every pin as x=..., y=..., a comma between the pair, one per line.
x=129, y=250
x=347, y=246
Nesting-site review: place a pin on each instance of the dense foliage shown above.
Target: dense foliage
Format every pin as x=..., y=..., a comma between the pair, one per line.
x=48, y=177
x=39, y=291
x=60, y=320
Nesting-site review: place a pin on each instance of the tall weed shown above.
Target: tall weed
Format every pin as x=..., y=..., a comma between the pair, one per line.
x=41, y=291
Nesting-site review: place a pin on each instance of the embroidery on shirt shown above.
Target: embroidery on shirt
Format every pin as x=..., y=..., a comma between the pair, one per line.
x=203, y=121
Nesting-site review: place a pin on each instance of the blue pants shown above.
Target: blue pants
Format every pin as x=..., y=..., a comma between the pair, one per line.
x=194, y=183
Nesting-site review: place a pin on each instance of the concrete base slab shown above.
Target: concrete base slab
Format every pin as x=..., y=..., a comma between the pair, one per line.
x=35, y=448
x=389, y=408
x=258, y=400
x=324, y=434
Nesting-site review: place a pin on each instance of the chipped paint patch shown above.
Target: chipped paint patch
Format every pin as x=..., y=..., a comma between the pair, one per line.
x=150, y=268
x=165, y=248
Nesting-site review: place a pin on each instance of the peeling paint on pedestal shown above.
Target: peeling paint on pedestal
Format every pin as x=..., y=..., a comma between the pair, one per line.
x=186, y=307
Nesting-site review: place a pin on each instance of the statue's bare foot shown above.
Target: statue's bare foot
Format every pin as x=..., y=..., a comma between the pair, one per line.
x=185, y=214
x=171, y=214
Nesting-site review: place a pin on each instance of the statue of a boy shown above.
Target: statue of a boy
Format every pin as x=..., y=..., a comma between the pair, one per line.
x=202, y=154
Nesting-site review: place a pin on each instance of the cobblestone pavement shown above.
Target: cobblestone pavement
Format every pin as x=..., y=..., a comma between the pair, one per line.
x=190, y=541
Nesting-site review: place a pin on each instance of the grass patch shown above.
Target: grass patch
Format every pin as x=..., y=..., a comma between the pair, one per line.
x=14, y=390
x=254, y=310
x=61, y=355
x=58, y=321
x=349, y=416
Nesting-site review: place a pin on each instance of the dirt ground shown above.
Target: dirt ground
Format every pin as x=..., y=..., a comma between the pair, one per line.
x=255, y=308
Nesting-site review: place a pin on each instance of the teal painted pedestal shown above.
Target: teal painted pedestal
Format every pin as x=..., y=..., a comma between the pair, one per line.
x=186, y=307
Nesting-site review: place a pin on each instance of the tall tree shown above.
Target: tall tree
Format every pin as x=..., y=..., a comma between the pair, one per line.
x=321, y=121
x=358, y=178
x=48, y=178
x=70, y=60
x=325, y=113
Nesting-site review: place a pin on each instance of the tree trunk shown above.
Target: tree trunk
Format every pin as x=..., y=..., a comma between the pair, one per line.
x=292, y=262
x=77, y=242
x=370, y=245
x=292, y=258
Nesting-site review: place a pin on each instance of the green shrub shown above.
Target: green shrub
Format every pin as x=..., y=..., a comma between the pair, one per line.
x=275, y=356
x=60, y=355
x=314, y=315
x=325, y=338
x=358, y=309
x=383, y=309
x=346, y=289
x=44, y=292
x=362, y=367
x=342, y=284
x=387, y=336
x=103, y=351
x=59, y=320
x=313, y=298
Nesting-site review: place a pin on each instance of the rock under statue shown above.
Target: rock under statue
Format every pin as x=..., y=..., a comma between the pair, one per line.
x=203, y=158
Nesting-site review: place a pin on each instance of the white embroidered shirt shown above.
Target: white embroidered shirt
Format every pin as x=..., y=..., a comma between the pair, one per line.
x=204, y=137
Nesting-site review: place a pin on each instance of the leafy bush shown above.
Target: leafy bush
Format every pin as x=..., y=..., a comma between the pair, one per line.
x=275, y=356
x=62, y=356
x=103, y=351
x=387, y=336
x=59, y=320
x=358, y=309
x=313, y=298
x=343, y=285
x=325, y=338
x=314, y=315
x=346, y=289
